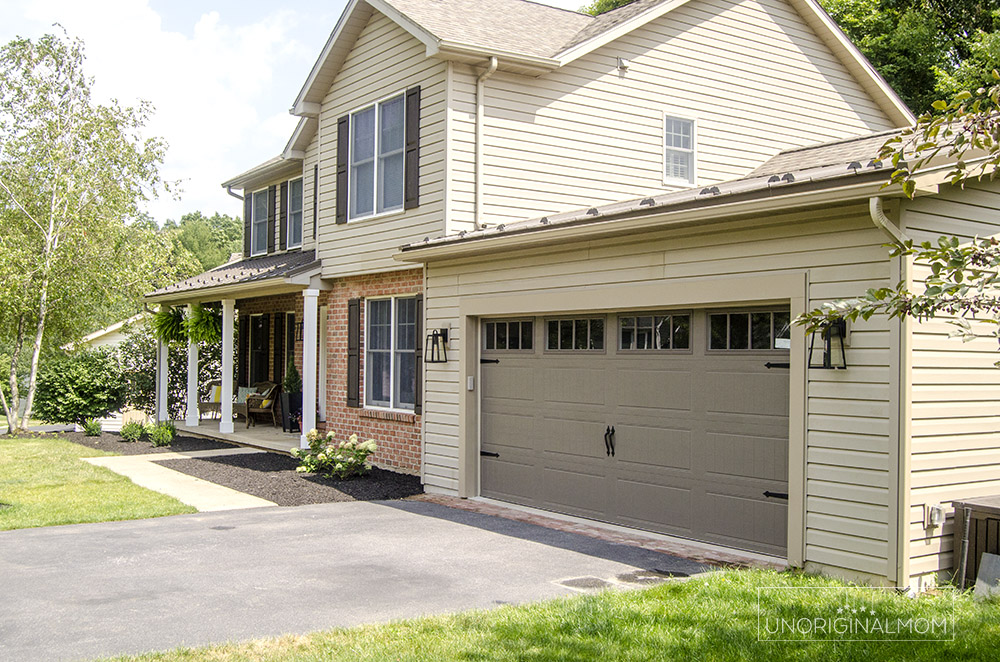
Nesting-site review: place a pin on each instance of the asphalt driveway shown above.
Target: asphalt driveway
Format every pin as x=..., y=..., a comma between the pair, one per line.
x=81, y=591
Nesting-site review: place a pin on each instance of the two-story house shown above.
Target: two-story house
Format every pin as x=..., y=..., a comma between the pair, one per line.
x=552, y=259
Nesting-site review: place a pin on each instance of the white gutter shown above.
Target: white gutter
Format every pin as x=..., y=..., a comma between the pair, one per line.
x=883, y=223
x=480, y=120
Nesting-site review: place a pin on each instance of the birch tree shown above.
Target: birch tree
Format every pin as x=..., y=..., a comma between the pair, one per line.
x=73, y=172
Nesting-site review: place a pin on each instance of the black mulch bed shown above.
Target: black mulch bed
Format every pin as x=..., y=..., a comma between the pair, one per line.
x=272, y=476
x=113, y=443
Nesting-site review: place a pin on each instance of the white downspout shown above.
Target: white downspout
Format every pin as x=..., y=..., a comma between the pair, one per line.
x=883, y=223
x=480, y=120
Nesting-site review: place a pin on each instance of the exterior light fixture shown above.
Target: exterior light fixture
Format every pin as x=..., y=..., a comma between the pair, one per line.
x=436, y=347
x=832, y=336
x=300, y=329
x=623, y=64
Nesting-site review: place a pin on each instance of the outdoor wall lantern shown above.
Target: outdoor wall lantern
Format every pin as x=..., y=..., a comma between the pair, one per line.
x=436, y=348
x=300, y=329
x=834, y=356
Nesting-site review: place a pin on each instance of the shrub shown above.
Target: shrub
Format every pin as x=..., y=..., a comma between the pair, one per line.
x=161, y=434
x=131, y=431
x=92, y=427
x=292, y=382
x=335, y=459
x=72, y=388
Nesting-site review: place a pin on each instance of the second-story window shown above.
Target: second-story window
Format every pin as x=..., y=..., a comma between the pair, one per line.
x=376, y=161
x=295, y=213
x=678, y=148
x=258, y=227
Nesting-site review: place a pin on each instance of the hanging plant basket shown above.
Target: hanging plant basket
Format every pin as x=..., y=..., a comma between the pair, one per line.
x=168, y=325
x=204, y=324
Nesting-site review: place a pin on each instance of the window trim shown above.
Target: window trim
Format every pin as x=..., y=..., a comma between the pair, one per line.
x=749, y=351
x=288, y=214
x=654, y=313
x=507, y=320
x=679, y=181
x=350, y=162
x=364, y=401
x=573, y=318
x=255, y=252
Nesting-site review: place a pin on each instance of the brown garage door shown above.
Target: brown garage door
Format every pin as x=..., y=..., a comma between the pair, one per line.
x=668, y=421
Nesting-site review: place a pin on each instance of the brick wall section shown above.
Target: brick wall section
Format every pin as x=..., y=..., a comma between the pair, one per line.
x=397, y=434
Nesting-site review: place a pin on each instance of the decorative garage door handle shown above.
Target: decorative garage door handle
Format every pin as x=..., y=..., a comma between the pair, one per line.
x=776, y=495
x=612, y=441
x=607, y=440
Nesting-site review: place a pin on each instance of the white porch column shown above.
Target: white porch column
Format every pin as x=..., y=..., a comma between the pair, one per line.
x=228, y=327
x=162, y=382
x=192, y=389
x=309, y=323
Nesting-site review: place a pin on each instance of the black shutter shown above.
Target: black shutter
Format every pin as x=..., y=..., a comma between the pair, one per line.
x=411, y=172
x=243, y=353
x=418, y=355
x=354, y=353
x=283, y=217
x=247, y=221
x=343, y=151
x=315, y=198
x=265, y=325
x=279, y=347
x=272, y=202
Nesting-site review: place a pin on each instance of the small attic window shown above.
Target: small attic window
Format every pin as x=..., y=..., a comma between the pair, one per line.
x=678, y=150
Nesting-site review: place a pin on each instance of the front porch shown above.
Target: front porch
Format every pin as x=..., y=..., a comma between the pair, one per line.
x=261, y=436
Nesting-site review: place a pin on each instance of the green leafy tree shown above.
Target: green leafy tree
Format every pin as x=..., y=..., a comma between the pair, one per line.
x=72, y=173
x=962, y=280
x=210, y=240
x=598, y=7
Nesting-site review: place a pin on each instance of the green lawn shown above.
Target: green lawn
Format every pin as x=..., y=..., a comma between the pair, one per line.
x=43, y=482
x=713, y=618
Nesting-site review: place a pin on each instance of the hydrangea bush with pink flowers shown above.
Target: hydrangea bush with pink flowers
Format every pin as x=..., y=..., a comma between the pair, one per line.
x=325, y=455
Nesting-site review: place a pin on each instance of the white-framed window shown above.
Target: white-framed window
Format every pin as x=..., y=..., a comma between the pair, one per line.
x=258, y=224
x=678, y=150
x=377, y=158
x=390, y=359
x=294, y=207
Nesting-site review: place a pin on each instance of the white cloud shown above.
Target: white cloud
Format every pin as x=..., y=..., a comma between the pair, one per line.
x=214, y=89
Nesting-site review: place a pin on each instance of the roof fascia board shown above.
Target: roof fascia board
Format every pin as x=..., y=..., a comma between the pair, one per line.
x=648, y=221
x=607, y=37
x=542, y=64
x=323, y=56
x=263, y=172
x=815, y=16
x=295, y=148
x=236, y=291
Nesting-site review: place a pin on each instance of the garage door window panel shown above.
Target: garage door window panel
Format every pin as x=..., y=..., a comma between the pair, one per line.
x=508, y=335
x=750, y=331
x=580, y=334
x=654, y=331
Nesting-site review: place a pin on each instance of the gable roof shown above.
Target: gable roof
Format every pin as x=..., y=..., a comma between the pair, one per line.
x=532, y=38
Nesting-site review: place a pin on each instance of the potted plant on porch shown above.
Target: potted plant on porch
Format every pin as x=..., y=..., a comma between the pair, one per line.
x=291, y=399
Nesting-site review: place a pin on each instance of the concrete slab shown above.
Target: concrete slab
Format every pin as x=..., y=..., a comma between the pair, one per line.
x=144, y=471
x=131, y=587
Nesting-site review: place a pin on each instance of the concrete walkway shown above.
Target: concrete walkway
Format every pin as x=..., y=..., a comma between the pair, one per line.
x=144, y=471
x=81, y=591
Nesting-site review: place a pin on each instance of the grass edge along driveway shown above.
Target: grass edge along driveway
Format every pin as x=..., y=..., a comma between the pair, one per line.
x=44, y=482
x=713, y=618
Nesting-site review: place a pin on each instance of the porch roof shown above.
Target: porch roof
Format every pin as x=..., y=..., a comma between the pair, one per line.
x=255, y=276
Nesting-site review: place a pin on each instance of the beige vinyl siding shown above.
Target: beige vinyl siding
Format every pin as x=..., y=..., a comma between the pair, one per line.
x=751, y=73
x=308, y=171
x=847, y=457
x=956, y=390
x=385, y=60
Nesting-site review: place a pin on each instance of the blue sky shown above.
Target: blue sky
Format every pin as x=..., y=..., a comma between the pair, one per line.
x=221, y=74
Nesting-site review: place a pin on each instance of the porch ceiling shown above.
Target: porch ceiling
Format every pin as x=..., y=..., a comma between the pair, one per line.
x=251, y=277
